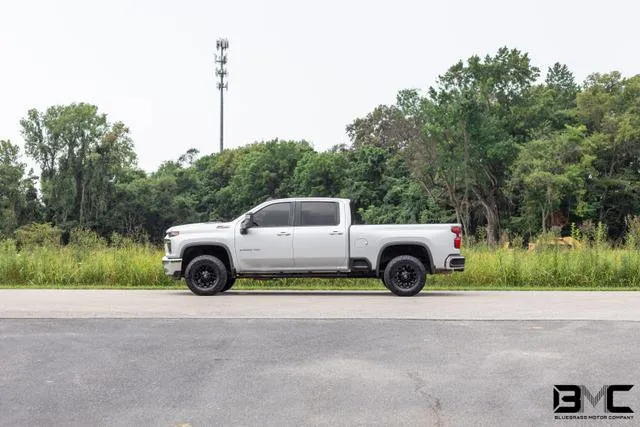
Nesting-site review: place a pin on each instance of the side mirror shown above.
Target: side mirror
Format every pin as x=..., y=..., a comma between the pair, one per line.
x=246, y=223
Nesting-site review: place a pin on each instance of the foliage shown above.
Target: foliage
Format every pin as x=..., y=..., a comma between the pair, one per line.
x=11, y=200
x=81, y=156
x=38, y=235
x=490, y=145
x=83, y=238
x=550, y=174
x=554, y=267
x=127, y=264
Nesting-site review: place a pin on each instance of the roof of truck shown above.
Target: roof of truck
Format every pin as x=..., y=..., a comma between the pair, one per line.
x=308, y=199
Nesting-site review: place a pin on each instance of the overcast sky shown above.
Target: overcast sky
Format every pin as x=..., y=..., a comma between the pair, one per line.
x=297, y=69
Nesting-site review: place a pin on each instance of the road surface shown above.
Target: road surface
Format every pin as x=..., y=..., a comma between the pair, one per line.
x=168, y=358
x=491, y=305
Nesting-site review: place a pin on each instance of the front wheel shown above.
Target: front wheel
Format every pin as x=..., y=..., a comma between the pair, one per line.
x=206, y=275
x=405, y=275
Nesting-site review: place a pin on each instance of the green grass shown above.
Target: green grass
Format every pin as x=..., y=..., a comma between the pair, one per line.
x=139, y=267
x=323, y=285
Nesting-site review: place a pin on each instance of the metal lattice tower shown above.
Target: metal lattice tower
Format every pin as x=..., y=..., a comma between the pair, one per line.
x=221, y=71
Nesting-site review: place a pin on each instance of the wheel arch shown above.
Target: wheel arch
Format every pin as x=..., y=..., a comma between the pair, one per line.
x=219, y=250
x=393, y=249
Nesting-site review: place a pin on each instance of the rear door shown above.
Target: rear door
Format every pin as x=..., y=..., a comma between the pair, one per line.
x=268, y=244
x=320, y=236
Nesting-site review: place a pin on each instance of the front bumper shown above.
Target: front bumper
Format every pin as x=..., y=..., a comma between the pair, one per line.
x=172, y=267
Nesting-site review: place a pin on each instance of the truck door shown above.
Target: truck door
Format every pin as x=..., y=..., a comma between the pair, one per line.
x=268, y=244
x=320, y=237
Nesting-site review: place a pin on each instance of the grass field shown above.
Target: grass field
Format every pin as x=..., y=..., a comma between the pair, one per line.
x=139, y=266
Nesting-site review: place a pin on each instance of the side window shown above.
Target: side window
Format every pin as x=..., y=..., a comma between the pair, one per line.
x=276, y=215
x=319, y=213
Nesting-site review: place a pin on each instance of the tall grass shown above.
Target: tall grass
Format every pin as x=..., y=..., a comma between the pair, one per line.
x=590, y=267
x=78, y=265
x=128, y=264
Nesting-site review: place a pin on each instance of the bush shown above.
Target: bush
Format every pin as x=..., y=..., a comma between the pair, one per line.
x=117, y=240
x=86, y=239
x=632, y=239
x=38, y=235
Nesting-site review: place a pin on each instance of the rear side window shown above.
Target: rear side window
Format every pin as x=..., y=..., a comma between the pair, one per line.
x=319, y=213
x=276, y=215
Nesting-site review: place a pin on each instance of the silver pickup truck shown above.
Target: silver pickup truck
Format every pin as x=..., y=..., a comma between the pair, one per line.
x=309, y=237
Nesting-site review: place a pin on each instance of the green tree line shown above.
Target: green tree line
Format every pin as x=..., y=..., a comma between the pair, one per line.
x=495, y=144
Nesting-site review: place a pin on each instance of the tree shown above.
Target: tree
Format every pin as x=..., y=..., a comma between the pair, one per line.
x=473, y=131
x=266, y=171
x=549, y=107
x=12, y=199
x=401, y=198
x=321, y=174
x=561, y=80
x=439, y=161
x=610, y=107
x=81, y=156
x=550, y=174
x=385, y=127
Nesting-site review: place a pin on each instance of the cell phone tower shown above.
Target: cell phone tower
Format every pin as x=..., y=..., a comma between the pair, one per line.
x=221, y=71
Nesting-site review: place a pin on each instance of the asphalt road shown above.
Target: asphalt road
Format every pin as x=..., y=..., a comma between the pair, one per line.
x=492, y=305
x=283, y=370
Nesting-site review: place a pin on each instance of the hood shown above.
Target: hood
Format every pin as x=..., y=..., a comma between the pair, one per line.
x=201, y=227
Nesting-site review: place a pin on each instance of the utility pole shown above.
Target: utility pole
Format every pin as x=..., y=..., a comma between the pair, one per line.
x=221, y=71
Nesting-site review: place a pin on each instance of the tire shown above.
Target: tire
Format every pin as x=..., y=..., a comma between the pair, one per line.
x=206, y=275
x=229, y=284
x=384, y=282
x=405, y=275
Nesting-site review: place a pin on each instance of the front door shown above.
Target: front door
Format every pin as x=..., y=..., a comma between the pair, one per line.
x=268, y=244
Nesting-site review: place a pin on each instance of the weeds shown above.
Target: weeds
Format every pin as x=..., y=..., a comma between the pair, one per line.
x=89, y=261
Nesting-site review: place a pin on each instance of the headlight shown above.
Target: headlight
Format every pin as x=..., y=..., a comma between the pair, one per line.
x=172, y=233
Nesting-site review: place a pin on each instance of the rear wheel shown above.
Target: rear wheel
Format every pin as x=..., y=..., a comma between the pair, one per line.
x=206, y=275
x=405, y=275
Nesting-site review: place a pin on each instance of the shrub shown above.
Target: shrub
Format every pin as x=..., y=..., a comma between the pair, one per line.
x=85, y=239
x=38, y=235
x=632, y=238
x=117, y=240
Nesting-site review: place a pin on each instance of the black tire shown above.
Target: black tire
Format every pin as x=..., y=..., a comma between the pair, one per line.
x=405, y=275
x=229, y=284
x=384, y=282
x=206, y=275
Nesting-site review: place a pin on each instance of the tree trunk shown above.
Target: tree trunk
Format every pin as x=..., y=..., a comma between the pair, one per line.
x=465, y=166
x=490, y=211
x=460, y=208
x=82, y=204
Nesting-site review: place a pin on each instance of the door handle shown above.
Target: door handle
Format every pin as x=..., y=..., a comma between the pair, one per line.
x=283, y=234
x=335, y=233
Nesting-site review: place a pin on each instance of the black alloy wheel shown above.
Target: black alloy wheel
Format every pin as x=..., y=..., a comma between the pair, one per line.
x=405, y=275
x=206, y=275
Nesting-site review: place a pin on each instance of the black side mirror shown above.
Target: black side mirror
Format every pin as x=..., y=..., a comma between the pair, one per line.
x=246, y=223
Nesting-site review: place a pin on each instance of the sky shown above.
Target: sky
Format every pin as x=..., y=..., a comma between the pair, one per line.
x=297, y=69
